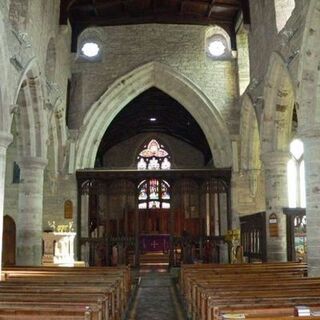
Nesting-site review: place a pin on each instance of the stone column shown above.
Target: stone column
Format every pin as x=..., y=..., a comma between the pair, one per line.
x=312, y=169
x=275, y=166
x=29, y=226
x=5, y=140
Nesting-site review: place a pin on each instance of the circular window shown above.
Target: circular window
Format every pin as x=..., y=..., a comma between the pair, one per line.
x=217, y=48
x=90, y=49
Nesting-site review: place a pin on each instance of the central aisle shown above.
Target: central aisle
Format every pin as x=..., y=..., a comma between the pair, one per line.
x=156, y=298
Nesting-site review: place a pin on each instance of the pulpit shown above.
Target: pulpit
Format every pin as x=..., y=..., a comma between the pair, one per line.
x=58, y=248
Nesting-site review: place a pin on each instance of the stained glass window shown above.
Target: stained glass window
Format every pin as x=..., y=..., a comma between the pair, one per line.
x=296, y=176
x=154, y=193
x=153, y=157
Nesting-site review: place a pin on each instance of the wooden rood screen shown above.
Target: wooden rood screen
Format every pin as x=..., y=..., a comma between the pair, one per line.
x=192, y=208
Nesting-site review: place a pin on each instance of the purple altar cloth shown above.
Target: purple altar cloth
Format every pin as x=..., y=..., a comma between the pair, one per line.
x=154, y=242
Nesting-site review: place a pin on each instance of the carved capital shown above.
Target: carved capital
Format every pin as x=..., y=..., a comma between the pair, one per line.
x=33, y=162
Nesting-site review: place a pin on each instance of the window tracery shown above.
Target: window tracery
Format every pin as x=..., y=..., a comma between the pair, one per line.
x=154, y=193
x=154, y=157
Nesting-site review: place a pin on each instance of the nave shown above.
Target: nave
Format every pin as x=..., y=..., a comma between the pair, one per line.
x=156, y=297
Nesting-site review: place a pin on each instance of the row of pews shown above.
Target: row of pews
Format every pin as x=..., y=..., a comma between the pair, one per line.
x=249, y=291
x=55, y=293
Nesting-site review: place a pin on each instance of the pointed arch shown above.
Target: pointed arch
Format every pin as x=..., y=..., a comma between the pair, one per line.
x=250, y=136
x=126, y=88
x=279, y=98
x=31, y=116
x=51, y=60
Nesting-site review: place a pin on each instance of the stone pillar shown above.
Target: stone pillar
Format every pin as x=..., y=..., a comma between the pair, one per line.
x=5, y=140
x=275, y=166
x=312, y=169
x=29, y=226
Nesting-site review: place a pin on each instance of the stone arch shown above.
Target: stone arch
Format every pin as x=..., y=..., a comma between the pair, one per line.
x=308, y=92
x=250, y=151
x=31, y=118
x=250, y=137
x=279, y=98
x=123, y=90
x=50, y=65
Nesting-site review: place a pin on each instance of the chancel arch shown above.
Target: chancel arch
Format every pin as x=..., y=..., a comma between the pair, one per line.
x=153, y=74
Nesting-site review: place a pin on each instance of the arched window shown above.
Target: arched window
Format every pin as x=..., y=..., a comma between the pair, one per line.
x=154, y=193
x=296, y=176
x=217, y=43
x=154, y=157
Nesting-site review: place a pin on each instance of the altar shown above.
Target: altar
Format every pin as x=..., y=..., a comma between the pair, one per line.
x=154, y=243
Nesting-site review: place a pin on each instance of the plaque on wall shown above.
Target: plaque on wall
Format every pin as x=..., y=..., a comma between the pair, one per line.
x=68, y=209
x=273, y=225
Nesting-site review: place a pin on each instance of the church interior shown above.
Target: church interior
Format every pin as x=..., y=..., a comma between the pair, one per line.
x=159, y=148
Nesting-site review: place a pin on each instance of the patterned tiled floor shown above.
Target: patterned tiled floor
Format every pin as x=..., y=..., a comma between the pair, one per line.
x=156, y=299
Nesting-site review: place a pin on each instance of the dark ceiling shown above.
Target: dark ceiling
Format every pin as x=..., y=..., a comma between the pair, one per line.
x=172, y=119
x=86, y=13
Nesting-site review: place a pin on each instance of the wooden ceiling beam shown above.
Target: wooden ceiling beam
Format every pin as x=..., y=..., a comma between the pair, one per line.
x=64, y=10
x=106, y=21
x=94, y=5
x=210, y=7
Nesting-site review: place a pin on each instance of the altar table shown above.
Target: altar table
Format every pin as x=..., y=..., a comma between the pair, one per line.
x=154, y=242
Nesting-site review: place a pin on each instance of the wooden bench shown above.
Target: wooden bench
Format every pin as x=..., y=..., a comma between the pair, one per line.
x=93, y=293
x=262, y=290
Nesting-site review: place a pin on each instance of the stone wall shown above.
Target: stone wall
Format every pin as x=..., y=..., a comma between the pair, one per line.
x=124, y=154
x=180, y=47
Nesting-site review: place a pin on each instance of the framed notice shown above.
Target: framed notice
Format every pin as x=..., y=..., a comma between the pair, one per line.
x=273, y=225
x=68, y=209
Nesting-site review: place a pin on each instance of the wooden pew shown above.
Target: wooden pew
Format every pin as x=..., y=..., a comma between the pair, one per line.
x=210, y=291
x=103, y=291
